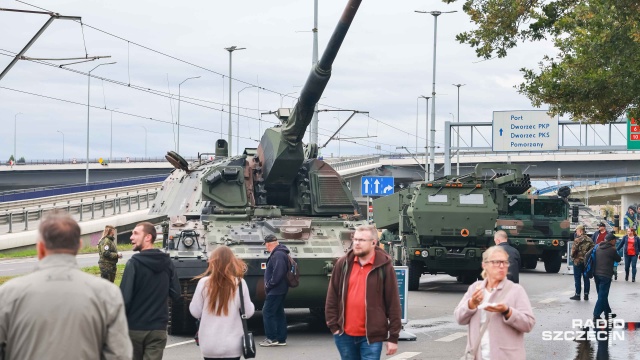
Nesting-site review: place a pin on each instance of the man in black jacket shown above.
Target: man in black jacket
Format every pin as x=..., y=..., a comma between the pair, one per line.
x=513, y=273
x=606, y=255
x=276, y=288
x=148, y=280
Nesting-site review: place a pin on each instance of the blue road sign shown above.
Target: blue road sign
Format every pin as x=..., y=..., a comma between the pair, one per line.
x=377, y=185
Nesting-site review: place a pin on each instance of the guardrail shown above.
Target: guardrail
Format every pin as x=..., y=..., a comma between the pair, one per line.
x=20, y=220
x=26, y=194
x=342, y=165
x=95, y=161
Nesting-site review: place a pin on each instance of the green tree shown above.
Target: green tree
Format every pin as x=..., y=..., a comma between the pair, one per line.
x=594, y=75
x=11, y=158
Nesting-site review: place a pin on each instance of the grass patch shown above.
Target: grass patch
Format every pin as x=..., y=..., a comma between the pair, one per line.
x=16, y=254
x=94, y=270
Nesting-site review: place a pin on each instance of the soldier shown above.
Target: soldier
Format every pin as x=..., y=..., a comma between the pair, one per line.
x=109, y=254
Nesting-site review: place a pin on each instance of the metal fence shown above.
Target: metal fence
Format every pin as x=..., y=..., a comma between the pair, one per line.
x=21, y=220
x=26, y=194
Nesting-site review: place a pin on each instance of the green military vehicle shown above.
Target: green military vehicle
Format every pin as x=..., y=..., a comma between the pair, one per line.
x=445, y=225
x=280, y=188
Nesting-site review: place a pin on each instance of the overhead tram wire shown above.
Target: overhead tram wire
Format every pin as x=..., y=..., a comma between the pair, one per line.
x=210, y=70
x=152, y=118
x=170, y=96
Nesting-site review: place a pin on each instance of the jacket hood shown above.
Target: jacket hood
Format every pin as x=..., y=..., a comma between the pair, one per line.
x=154, y=259
x=605, y=245
x=280, y=247
x=381, y=257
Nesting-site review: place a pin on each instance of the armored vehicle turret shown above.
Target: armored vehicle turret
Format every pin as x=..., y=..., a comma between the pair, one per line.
x=280, y=188
x=443, y=226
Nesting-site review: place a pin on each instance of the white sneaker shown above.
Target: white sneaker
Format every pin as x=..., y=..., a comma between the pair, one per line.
x=268, y=343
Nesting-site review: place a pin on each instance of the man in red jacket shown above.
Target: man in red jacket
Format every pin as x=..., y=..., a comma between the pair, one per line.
x=363, y=304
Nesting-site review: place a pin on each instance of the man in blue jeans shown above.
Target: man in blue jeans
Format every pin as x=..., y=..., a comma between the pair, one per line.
x=582, y=244
x=606, y=255
x=276, y=288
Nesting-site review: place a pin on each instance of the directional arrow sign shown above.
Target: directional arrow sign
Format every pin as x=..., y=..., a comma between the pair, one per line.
x=524, y=130
x=377, y=185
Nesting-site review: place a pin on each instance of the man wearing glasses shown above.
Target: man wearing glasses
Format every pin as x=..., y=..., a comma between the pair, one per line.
x=501, y=239
x=363, y=304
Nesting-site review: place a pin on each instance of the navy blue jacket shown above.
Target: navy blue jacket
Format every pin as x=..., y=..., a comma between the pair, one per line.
x=623, y=245
x=275, y=276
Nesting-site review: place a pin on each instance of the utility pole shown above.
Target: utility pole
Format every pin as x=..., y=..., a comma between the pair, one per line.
x=432, y=139
x=231, y=49
x=179, y=98
x=313, y=136
x=88, y=107
x=426, y=137
x=458, y=132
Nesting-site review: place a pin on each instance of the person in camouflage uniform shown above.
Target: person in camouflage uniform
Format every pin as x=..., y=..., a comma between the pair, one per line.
x=108, y=254
x=582, y=244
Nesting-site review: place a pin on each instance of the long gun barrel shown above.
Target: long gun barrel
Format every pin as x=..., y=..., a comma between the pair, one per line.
x=302, y=114
x=280, y=149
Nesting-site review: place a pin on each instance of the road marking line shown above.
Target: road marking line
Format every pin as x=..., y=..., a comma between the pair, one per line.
x=546, y=301
x=180, y=343
x=452, y=337
x=404, y=356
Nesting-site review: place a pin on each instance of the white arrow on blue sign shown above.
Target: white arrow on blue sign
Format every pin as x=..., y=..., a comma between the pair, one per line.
x=377, y=185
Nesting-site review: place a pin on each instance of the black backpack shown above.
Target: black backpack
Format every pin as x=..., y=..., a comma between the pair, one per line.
x=293, y=274
x=590, y=265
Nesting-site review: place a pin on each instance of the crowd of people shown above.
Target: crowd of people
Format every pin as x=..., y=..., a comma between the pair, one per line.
x=362, y=308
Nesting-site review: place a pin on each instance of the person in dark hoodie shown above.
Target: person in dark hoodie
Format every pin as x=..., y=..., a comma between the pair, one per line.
x=606, y=255
x=276, y=288
x=148, y=280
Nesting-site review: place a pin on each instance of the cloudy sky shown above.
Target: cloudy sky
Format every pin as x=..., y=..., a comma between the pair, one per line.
x=383, y=66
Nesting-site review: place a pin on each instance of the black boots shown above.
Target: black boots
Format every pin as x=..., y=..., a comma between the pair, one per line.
x=575, y=297
x=586, y=296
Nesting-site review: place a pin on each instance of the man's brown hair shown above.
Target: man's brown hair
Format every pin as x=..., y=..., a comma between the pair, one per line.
x=59, y=231
x=148, y=228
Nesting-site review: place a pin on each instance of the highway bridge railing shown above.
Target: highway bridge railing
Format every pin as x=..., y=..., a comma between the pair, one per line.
x=27, y=194
x=22, y=220
x=94, y=161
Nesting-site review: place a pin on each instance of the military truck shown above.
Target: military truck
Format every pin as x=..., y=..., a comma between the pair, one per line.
x=280, y=188
x=445, y=225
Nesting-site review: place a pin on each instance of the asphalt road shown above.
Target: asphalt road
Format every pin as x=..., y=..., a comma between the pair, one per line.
x=431, y=320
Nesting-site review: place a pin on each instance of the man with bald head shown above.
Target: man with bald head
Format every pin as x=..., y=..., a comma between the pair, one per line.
x=501, y=239
x=58, y=298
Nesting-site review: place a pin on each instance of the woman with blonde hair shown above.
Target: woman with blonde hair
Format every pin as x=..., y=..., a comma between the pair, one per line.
x=216, y=302
x=497, y=311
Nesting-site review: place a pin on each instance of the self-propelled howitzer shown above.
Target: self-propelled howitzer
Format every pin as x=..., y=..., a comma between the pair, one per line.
x=280, y=188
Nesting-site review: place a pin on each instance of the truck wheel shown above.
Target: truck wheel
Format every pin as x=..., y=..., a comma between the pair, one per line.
x=415, y=272
x=530, y=263
x=552, y=262
x=469, y=278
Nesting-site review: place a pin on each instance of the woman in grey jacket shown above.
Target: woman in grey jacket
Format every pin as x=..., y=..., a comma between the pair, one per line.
x=499, y=305
x=216, y=302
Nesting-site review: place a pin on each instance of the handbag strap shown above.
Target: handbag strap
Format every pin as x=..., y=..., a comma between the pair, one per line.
x=485, y=326
x=242, y=316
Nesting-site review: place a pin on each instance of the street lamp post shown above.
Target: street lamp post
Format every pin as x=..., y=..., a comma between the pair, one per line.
x=238, y=124
x=458, y=132
x=88, y=112
x=178, y=146
x=433, y=92
x=145, y=141
x=15, y=127
x=62, y=144
x=231, y=49
x=426, y=115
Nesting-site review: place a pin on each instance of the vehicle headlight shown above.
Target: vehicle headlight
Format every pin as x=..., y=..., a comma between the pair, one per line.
x=425, y=253
x=188, y=242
